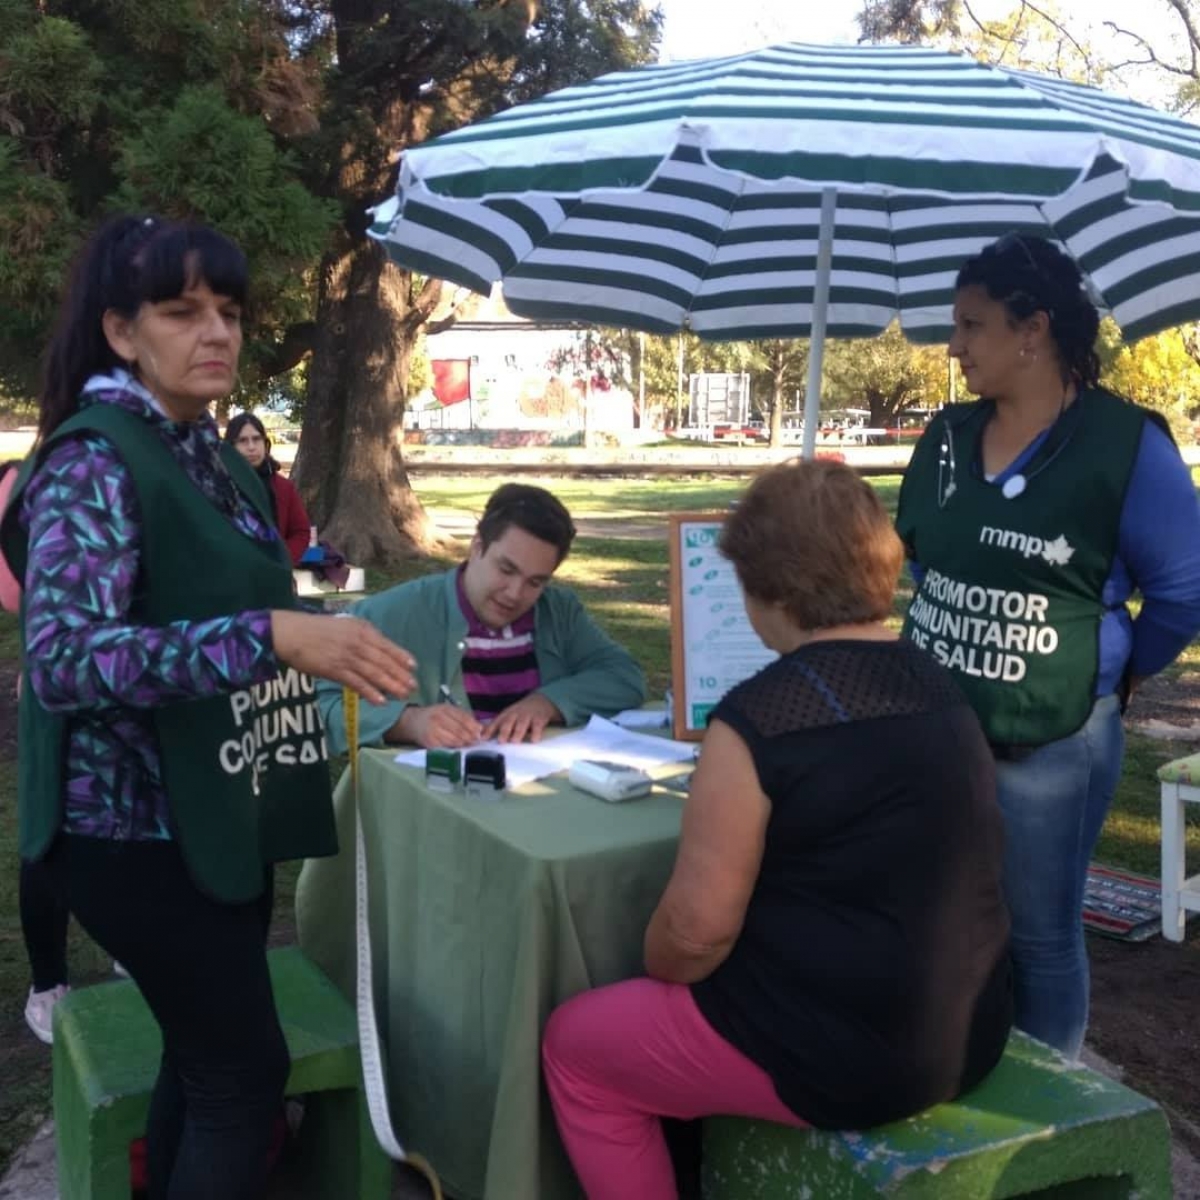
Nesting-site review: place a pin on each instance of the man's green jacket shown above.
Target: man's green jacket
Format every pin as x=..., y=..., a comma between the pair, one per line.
x=583, y=671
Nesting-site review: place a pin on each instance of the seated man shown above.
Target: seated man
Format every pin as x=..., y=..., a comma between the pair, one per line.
x=501, y=653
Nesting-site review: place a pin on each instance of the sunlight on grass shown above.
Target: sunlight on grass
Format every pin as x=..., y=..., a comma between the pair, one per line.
x=1131, y=835
x=612, y=498
x=636, y=569
x=599, y=497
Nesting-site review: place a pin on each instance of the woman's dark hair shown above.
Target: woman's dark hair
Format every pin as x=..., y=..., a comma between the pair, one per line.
x=129, y=261
x=1027, y=274
x=238, y=423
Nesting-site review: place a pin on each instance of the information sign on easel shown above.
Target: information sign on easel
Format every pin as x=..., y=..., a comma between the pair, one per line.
x=713, y=645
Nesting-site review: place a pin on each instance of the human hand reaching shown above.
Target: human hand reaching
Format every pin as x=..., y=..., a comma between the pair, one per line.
x=346, y=650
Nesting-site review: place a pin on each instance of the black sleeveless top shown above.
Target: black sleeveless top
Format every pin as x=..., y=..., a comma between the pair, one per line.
x=871, y=977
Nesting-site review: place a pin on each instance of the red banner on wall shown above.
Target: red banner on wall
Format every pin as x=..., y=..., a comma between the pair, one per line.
x=451, y=380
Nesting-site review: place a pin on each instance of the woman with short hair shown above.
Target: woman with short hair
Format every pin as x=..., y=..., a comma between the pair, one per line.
x=831, y=948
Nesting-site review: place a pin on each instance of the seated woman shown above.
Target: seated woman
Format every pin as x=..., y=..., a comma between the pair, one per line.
x=249, y=437
x=832, y=946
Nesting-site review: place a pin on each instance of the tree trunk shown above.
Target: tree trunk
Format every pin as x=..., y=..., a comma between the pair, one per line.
x=350, y=468
x=886, y=406
x=778, y=395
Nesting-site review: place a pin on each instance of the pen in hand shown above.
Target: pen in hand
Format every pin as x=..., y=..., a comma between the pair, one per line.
x=468, y=719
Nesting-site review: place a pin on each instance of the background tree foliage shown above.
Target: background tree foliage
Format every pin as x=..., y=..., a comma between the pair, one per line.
x=886, y=374
x=390, y=73
x=1133, y=61
x=279, y=121
x=154, y=106
x=1158, y=372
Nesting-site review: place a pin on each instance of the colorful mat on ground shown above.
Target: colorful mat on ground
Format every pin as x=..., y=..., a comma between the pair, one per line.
x=1122, y=905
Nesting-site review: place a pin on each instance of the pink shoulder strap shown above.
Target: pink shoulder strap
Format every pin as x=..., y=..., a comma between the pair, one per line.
x=10, y=589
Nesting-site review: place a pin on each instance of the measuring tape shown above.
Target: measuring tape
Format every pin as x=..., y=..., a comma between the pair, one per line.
x=368, y=1026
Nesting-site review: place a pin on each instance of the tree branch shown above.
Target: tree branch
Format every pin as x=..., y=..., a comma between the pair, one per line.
x=971, y=13
x=1066, y=33
x=297, y=342
x=1151, y=58
x=1185, y=15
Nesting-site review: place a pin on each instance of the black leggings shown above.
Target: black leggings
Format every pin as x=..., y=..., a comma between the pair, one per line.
x=202, y=967
x=43, y=925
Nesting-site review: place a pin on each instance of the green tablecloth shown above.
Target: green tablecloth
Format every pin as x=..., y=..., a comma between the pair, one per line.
x=484, y=917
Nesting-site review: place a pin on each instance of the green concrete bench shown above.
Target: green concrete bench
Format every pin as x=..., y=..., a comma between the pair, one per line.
x=1034, y=1127
x=106, y=1056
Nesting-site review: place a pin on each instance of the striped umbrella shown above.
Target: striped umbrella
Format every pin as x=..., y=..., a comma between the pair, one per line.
x=802, y=191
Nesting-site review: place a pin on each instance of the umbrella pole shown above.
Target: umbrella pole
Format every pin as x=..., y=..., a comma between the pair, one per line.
x=816, y=353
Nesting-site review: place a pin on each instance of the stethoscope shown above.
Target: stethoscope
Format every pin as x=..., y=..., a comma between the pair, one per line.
x=1015, y=485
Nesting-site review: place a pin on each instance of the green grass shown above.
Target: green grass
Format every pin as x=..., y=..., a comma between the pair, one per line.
x=608, y=498
x=624, y=583
x=1130, y=838
x=613, y=499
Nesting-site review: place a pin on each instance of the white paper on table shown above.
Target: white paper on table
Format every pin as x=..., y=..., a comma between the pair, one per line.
x=524, y=761
x=642, y=718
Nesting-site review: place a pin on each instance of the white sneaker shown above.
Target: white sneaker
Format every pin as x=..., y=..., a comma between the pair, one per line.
x=39, y=1011
x=119, y=970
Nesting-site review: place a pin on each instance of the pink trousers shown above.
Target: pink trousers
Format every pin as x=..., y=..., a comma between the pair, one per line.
x=617, y=1059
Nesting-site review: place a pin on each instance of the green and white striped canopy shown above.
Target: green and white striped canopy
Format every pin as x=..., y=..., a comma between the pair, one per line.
x=691, y=194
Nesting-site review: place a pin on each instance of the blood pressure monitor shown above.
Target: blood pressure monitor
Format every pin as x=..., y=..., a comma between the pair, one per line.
x=610, y=781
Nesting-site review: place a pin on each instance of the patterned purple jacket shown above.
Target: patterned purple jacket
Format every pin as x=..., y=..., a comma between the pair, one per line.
x=83, y=656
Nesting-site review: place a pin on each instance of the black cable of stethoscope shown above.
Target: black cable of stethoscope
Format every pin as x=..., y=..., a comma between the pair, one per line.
x=947, y=481
x=1015, y=485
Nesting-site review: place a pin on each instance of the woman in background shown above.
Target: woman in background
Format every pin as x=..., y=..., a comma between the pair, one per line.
x=248, y=436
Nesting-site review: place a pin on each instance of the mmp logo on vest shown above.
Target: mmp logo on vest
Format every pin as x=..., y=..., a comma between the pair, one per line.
x=1057, y=553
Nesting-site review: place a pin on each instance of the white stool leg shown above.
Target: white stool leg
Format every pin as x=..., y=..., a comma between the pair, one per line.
x=1173, y=869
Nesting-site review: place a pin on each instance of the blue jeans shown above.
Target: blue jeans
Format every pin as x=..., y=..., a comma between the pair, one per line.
x=1054, y=804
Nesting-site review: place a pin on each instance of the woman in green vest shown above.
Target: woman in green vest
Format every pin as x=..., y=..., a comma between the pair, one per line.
x=169, y=748
x=1030, y=518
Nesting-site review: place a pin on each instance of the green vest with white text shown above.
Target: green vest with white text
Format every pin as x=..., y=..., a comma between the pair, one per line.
x=1011, y=598
x=245, y=773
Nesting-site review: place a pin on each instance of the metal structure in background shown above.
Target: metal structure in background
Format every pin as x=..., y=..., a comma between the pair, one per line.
x=718, y=398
